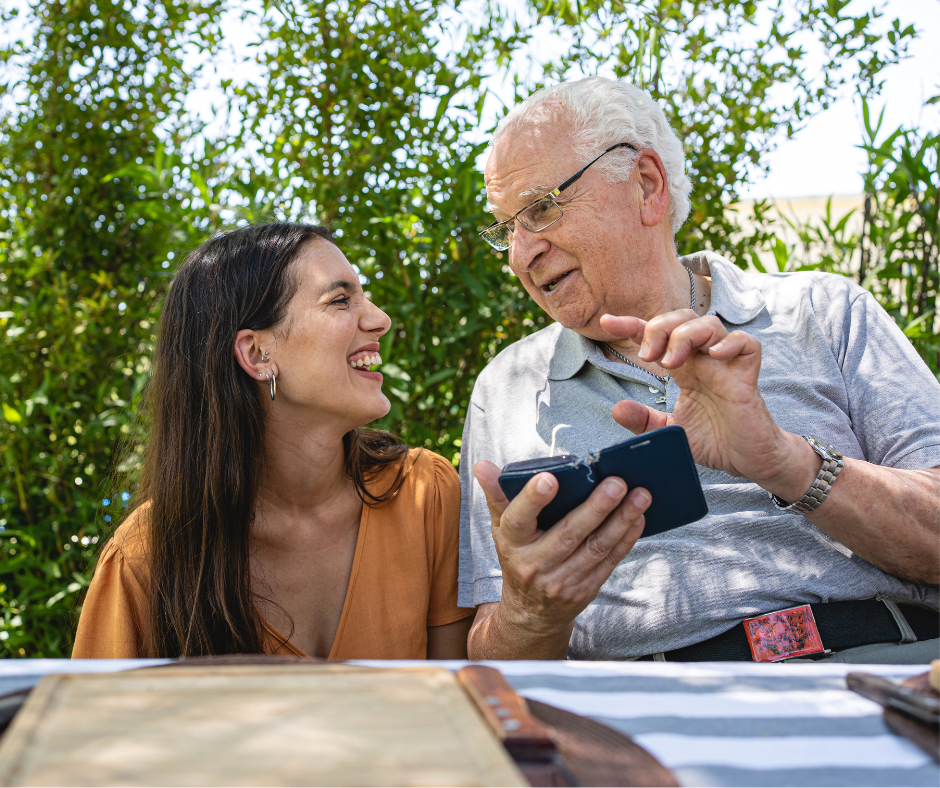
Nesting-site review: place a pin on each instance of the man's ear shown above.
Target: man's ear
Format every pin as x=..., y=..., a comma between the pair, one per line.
x=249, y=355
x=655, y=185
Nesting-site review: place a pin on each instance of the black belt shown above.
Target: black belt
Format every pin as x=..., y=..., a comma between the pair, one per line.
x=841, y=625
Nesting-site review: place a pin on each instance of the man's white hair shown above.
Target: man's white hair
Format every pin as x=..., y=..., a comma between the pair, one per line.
x=604, y=112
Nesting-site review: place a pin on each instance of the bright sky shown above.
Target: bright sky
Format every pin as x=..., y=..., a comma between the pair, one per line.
x=822, y=158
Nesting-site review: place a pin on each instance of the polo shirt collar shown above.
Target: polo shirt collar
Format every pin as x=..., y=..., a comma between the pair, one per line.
x=570, y=354
x=732, y=298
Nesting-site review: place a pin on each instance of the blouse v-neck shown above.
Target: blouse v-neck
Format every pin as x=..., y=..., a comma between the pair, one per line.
x=289, y=646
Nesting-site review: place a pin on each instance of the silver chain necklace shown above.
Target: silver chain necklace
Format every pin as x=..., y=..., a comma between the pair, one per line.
x=664, y=379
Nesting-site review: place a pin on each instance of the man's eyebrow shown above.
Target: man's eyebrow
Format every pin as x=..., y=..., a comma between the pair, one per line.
x=339, y=284
x=536, y=192
x=528, y=196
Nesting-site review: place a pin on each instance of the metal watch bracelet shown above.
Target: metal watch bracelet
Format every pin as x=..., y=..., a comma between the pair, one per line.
x=816, y=494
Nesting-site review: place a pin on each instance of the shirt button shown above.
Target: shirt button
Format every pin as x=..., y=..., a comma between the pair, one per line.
x=654, y=390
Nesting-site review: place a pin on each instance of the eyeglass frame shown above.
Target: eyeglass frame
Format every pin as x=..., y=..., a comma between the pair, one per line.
x=551, y=196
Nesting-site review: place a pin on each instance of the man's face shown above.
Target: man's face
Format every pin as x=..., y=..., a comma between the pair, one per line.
x=586, y=264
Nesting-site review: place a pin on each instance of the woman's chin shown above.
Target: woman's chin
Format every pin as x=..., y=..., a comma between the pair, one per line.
x=386, y=405
x=377, y=407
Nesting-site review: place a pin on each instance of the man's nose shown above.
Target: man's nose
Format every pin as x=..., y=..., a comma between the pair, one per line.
x=526, y=248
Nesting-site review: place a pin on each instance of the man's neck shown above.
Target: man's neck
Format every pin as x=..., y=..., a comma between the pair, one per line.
x=679, y=289
x=675, y=292
x=661, y=286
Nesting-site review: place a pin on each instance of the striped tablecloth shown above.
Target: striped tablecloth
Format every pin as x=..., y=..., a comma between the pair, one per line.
x=737, y=724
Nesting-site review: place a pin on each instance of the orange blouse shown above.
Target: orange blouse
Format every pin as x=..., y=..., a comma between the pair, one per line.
x=403, y=579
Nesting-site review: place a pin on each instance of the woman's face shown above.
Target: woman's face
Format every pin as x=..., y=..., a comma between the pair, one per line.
x=323, y=352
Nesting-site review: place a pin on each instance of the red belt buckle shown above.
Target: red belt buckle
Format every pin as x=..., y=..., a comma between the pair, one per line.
x=783, y=634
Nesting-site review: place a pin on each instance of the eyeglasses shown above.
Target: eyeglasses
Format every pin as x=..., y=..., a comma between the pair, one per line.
x=540, y=214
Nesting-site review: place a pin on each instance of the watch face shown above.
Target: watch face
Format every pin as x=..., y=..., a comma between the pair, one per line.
x=824, y=449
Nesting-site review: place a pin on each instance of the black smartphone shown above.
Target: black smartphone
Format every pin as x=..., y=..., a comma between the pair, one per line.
x=660, y=461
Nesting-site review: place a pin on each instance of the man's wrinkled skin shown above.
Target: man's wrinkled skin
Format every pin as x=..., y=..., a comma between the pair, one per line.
x=623, y=283
x=612, y=240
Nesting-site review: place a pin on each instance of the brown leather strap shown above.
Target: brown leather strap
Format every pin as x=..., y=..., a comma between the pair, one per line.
x=507, y=713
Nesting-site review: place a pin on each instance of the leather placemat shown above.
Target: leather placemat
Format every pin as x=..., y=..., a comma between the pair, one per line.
x=253, y=724
x=596, y=755
x=927, y=737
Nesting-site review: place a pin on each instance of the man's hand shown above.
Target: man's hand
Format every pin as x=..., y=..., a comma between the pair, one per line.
x=720, y=406
x=887, y=516
x=550, y=577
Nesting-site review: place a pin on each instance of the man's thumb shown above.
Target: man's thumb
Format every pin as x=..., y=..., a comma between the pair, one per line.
x=638, y=418
x=487, y=474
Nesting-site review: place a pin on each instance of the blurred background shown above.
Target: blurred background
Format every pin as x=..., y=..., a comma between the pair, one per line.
x=130, y=131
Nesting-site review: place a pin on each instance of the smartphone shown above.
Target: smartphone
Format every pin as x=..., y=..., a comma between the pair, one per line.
x=660, y=461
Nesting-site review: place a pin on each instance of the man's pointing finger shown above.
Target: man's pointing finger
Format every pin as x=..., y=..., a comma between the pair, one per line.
x=620, y=327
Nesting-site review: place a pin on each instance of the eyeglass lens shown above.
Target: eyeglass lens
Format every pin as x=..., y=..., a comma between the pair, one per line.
x=540, y=214
x=499, y=237
x=537, y=216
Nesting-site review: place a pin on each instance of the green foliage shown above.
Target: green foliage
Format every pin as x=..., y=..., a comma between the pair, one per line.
x=366, y=115
x=893, y=248
x=91, y=209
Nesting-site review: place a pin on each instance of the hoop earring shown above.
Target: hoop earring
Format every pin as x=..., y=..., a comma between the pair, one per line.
x=273, y=385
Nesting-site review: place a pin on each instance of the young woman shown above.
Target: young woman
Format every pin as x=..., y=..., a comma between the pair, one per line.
x=270, y=520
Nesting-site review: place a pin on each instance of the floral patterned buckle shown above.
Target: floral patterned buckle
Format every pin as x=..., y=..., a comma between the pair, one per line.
x=783, y=634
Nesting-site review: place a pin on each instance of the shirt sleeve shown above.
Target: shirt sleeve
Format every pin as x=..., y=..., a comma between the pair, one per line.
x=894, y=398
x=444, y=516
x=115, y=607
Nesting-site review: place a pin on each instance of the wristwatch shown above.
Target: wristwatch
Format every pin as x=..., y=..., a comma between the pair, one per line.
x=816, y=494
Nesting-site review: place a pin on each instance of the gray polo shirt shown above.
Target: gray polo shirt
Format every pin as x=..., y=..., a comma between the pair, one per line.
x=834, y=365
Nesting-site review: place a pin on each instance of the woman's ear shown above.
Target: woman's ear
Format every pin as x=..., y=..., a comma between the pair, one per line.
x=249, y=354
x=655, y=187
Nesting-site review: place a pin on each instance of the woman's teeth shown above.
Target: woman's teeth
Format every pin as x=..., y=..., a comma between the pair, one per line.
x=366, y=361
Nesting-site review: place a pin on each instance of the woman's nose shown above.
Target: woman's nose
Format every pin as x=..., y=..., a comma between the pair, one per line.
x=375, y=320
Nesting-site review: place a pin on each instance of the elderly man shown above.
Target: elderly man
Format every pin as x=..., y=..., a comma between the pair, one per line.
x=587, y=184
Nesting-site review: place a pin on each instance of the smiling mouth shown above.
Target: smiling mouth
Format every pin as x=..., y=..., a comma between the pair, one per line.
x=364, y=360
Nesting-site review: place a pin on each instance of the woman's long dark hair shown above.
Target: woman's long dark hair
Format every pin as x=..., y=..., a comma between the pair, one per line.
x=205, y=448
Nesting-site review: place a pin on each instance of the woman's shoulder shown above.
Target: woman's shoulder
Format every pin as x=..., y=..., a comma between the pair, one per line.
x=422, y=476
x=427, y=468
x=130, y=542
x=426, y=461
x=115, y=611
